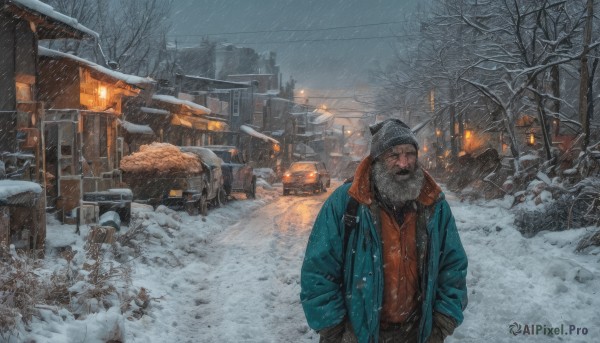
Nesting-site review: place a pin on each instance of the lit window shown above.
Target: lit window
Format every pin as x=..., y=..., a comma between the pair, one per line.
x=24, y=92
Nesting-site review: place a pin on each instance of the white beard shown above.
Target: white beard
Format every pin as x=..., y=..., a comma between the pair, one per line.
x=396, y=192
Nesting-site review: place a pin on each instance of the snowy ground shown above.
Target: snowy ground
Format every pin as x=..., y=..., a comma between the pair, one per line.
x=235, y=277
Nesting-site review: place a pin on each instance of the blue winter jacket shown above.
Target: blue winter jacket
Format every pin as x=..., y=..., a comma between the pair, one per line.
x=328, y=296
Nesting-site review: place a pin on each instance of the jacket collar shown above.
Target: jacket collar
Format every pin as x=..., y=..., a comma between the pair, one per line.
x=362, y=191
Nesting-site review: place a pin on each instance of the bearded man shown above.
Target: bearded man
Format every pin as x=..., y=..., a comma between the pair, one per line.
x=399, y=273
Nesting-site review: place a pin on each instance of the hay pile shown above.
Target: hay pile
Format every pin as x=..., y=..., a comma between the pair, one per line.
x=160, y=158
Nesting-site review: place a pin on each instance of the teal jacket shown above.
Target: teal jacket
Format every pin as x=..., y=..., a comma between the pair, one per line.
x=328, y=294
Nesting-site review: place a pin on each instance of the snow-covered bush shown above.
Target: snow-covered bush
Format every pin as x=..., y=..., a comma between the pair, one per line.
x=575, y=208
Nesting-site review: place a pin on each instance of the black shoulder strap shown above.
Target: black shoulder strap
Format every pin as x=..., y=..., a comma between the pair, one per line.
x=350, y=221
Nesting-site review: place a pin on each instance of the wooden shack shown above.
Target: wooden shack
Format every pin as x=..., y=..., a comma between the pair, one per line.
x=82, y=147
x=22, y=215
x=24, y=24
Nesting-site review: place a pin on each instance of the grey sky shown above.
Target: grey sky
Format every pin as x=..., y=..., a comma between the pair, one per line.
x=315, y=63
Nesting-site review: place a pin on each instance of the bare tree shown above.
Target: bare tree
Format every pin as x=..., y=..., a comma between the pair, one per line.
x=585, y=82
x=130, y=31
x=511, y=52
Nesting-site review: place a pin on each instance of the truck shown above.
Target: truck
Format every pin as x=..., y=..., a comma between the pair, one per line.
x=188, y=178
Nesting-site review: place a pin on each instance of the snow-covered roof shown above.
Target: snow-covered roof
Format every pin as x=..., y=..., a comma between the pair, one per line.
x=278, y=133
x=136, y=128
x=321, y=116
x=151, y=110
x=9, y=188
x=254, y=133
x=305, y=149
x=175, y=101
x=49, y=11
x=130, y=79
x=233, y=83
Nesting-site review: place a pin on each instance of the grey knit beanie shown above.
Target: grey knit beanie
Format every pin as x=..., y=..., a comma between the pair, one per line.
x=389, y=133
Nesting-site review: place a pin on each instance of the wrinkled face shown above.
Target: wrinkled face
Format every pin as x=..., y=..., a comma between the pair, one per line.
x=400, y=161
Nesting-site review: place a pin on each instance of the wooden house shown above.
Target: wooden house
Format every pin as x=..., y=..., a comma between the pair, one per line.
x=22, y=205
x=188, y=123
x=227, y=100
x=85, y=103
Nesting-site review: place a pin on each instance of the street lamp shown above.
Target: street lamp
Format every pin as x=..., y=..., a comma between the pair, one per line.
x=302, y=96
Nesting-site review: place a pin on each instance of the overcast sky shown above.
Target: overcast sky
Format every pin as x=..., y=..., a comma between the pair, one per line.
x=327, y=56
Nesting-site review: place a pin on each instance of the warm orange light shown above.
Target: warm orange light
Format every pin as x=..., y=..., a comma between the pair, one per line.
x=438, y=132
x=425, y=148
x=468, y=134
x=531, y=138
x=102, y=92
x=215, y=126
x=276, y=148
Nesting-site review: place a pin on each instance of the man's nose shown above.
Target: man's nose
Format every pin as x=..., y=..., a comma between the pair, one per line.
x=402, y=161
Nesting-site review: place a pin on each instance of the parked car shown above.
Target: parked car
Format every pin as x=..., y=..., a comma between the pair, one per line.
x=306, y=176
x=238, y=174
x=185, y=189
x=213, y=188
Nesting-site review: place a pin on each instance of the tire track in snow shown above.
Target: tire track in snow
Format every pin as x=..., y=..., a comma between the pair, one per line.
x=252, y=292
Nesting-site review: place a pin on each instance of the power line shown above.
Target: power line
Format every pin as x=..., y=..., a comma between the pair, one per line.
x=324, y=97
x=288, y=30
x=322, y=40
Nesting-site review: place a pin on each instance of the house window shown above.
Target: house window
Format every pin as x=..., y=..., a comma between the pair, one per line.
x=24, y=92
x=235, y=109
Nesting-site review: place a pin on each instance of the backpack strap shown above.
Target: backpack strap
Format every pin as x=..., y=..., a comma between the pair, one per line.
x=350, y=219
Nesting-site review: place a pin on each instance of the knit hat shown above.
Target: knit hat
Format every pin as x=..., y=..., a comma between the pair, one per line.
x=389, y=133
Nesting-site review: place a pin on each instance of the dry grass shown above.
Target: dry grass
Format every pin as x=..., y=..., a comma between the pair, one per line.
x=94, y=283
x=19, y=288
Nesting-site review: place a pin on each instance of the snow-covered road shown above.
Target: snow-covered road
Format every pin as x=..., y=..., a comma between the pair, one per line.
x=234, y=277
x=253, y=281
